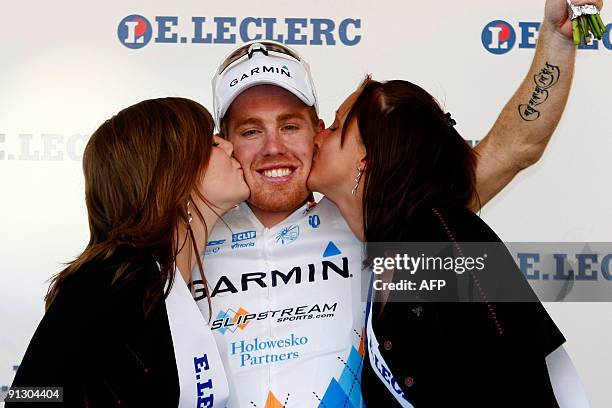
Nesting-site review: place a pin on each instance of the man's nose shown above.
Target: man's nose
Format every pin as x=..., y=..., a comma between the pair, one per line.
x=274, y=144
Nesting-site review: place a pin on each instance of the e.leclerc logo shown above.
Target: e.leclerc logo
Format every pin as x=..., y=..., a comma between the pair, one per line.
x=498, y=37
x=134, y=31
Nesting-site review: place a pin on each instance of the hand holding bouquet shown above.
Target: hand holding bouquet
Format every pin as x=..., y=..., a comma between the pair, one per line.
x=586, y=23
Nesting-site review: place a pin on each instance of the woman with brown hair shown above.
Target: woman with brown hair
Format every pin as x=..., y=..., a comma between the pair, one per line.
x=399, y=172
x=121, y=327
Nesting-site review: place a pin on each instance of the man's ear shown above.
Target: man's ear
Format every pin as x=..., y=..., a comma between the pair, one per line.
x=320, y=125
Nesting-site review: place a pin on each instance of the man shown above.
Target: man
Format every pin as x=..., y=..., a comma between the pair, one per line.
x=284, y=275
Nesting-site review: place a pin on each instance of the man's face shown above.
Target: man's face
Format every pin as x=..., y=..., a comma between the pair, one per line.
x=272, y=132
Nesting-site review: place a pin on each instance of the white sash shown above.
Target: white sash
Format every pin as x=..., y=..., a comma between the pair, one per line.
x=201, y=374
x=380, y=367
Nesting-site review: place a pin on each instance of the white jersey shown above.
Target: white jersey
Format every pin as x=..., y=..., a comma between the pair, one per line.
x=287, y=312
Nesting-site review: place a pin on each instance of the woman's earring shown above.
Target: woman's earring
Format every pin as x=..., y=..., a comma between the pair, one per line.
x=359, y=172
x=189, y=213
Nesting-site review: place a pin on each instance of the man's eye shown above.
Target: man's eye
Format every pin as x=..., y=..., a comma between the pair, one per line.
x=290, y=128
x=250, y=132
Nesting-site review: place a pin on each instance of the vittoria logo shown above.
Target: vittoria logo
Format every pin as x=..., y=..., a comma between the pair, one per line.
x=238, y=238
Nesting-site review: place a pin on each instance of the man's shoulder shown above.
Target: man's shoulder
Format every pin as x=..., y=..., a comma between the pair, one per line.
x=240, y=214
x=325, y=205
x=325, y=208
x=242, y=217
x=238, y=220
x=239, y=230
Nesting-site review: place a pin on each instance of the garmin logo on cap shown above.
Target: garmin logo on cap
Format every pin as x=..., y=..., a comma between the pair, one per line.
x=261, y=70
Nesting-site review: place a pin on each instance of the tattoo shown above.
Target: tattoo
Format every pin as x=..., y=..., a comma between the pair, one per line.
x=544, y=80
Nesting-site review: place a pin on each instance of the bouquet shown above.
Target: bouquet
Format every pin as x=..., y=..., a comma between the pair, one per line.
x=586, y=23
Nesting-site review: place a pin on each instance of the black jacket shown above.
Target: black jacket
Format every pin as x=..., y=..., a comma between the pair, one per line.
x=95, y=342
x=446, y=354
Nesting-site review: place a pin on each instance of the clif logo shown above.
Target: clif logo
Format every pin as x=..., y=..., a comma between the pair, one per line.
x=499, y=37
x=134, y=31
x=243, y=236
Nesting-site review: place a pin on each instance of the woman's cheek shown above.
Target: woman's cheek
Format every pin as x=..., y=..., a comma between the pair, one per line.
x=327, y=149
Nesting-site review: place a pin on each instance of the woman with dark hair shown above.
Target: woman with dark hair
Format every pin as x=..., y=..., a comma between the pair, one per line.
x=121, y=327
x=398, y=170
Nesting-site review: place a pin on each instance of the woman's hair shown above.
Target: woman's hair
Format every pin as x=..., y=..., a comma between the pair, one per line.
x=414, y=155
x=141, y=168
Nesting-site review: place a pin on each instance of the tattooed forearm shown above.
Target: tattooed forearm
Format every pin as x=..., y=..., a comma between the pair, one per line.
x=544, y=80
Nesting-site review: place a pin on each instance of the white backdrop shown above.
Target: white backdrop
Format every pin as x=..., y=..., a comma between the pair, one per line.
x=64, y=70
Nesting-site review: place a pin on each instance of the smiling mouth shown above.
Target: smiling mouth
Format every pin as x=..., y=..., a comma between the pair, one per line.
x=277, y=174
